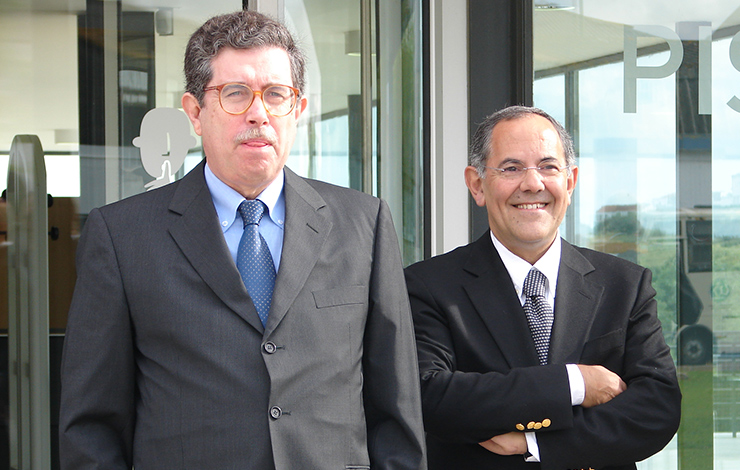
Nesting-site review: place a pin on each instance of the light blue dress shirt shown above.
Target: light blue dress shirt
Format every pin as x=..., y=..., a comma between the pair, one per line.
x=272, y=227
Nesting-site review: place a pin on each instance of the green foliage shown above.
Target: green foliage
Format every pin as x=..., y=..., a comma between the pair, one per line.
x=625, y=224
x=660, y=258
x=726, y=255
x=696, y=432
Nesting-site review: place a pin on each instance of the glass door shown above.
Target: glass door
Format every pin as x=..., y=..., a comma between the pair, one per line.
x=650, y=92
x=98, y=83
x=363, y=125
x=79, y=78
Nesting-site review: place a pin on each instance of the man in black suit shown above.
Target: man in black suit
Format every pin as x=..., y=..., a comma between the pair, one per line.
x=176, y=358
x=573, y=373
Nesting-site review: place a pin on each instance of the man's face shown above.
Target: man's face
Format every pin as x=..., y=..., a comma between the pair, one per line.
x=524, y=214
x=246, y=151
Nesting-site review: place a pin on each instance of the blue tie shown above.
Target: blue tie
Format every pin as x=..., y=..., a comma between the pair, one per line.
x=253, y=259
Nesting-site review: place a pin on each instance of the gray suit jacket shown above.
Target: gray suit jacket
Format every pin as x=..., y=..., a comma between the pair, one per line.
x=481, y=376
x=166, y=364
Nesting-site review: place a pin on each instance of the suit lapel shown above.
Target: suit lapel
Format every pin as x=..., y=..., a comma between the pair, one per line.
x=576, y=301
x=199, y=236
x=306, y=230
x=495, y=300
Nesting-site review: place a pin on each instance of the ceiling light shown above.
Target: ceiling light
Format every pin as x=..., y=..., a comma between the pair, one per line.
x=545, y=5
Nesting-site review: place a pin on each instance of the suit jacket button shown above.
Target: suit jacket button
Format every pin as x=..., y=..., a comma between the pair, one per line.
x=530, y=425
x=276, y=412
x=270, y=347
x=538, y=425
x=546, y=423
x=520, y=426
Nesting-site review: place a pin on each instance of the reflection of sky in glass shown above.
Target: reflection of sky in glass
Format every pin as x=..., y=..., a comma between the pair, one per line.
x=629, y=159
x=725, y=125
x=549, y=95
x=633, y=155
x=623, y=158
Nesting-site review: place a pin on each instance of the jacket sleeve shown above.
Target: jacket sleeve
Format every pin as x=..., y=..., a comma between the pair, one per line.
x=391, y=388
x=467, y=405
x=97, y=414
x=640, y=421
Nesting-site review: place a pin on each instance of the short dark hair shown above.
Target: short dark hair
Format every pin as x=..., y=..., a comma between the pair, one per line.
x=481, y=147
x=243, y=29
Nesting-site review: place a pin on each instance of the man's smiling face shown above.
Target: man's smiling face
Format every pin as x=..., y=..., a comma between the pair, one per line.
x=524, y=213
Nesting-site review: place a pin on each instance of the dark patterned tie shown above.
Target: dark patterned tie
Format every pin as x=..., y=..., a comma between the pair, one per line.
x=539, y=313
x=253, y=259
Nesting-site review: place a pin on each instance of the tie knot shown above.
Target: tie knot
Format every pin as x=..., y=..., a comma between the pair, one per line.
x=251, y=211
x=534, y=284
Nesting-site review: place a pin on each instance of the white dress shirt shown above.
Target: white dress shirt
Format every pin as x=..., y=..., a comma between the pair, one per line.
x=548, y=264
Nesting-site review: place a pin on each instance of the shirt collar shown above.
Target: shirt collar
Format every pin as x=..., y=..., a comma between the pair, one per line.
x=548, y=264
x=226, y=200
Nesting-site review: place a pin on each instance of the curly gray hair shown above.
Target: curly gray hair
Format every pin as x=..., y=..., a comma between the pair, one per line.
x=243, y=29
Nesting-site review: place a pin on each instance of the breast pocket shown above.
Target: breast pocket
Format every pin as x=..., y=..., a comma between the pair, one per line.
x=606, y=350
x=341, y=296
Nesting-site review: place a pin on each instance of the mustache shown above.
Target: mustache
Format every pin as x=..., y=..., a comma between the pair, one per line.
x=268, y=135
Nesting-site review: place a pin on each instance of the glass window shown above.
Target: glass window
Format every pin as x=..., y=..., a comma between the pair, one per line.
x=81, y=76
x=649, y=93
x=330, y=144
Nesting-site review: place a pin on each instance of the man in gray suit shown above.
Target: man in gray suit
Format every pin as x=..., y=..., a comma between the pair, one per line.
x=169, y=362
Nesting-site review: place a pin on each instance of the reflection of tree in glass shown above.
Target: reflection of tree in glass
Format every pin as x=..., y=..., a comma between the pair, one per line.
x=726, y=285
x=622, y=224
x=621, y=234
x=664, y=283
x=726, y=254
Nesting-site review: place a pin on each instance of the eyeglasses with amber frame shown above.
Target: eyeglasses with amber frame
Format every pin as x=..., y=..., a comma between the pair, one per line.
x=237, y=98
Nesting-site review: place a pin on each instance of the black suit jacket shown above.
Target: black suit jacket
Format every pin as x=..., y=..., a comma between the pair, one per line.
x=167, y=366
x=481, y=377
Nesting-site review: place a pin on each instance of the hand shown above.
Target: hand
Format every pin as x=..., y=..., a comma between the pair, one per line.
x=601, y=385
x=513, y=443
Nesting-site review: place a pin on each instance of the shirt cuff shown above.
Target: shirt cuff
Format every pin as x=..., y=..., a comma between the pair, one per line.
x=577, y=385
x=533, y=450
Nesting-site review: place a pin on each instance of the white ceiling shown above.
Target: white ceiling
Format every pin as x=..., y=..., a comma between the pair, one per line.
x=595, y=28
